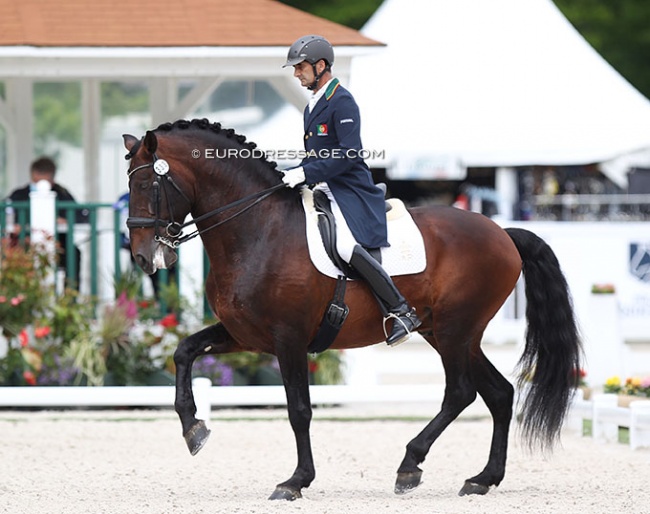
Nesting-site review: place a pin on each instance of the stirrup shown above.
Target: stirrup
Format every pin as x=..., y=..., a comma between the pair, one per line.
x=397, y=318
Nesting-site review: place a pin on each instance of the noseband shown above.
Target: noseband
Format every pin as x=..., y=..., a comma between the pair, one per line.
x=173, y=230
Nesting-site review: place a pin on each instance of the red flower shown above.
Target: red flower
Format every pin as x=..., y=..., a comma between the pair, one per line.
x=42, y=331
x=23, y=337
x=29, y=377
x=313, y=366
x=169, y=321
x=144, y=304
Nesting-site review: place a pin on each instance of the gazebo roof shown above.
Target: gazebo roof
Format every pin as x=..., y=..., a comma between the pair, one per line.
x=152, y=23
x=156, y=42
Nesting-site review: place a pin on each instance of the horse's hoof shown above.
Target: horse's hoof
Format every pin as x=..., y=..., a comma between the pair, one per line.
x=473, y=488
x=197, y=436
x=407, y=482
x=285, y=493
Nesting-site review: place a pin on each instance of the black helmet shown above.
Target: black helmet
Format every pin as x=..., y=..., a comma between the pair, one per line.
x=311, y=49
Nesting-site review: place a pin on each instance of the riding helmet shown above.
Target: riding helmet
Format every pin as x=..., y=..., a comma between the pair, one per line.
x=312, y=49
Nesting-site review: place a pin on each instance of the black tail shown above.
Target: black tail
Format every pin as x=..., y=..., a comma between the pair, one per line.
x=548, y=370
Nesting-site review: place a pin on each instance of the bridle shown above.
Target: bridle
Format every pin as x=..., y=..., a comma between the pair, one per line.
x=172, y=235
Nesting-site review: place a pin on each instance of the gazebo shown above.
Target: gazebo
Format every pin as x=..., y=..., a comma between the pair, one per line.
x=160, y=43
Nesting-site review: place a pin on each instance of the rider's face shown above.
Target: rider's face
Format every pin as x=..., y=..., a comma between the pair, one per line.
x=304, y=73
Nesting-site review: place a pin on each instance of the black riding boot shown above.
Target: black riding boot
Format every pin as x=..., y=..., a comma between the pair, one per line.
x=405, y=320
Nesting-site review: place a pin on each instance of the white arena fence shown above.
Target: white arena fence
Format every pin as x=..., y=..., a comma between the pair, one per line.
x=603, y=411
x=207, y=396
x=607, y=416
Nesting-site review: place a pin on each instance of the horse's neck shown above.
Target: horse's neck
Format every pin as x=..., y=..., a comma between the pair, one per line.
x=259, y=231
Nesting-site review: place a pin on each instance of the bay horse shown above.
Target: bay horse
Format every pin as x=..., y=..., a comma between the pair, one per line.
x=268, y=297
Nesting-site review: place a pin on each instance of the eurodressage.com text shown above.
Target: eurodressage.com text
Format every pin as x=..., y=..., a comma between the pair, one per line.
x=286, y=155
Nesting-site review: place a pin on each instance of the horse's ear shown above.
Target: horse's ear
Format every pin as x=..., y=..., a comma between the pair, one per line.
x=129, y=141
x=150, y=142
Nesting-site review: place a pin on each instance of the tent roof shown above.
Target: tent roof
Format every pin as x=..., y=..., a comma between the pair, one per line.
x=151, y=23
x=499, y=83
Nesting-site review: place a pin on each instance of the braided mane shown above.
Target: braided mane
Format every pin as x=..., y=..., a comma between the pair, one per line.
x=205, y=124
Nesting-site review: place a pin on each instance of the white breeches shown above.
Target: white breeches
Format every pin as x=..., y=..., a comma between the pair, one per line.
x=345, y=241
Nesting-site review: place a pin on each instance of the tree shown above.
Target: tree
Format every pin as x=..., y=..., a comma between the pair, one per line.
x=619, y=30
x=352, y=14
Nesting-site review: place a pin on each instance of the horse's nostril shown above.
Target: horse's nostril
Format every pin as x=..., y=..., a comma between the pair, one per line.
x=142, y=262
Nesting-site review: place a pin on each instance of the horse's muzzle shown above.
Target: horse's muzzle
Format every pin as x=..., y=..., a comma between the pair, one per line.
x=163, y=257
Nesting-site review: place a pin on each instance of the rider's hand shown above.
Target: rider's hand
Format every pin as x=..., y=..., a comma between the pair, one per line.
x=293, y=177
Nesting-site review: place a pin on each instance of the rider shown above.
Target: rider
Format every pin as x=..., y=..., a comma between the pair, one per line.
x=333, y=145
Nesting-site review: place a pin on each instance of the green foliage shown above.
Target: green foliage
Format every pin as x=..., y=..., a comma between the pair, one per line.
x=57, y=114
x=69, y=316
x=57, y=110
x=326, y=367
x=119, y=98
x=619, y=31
x=351, y=14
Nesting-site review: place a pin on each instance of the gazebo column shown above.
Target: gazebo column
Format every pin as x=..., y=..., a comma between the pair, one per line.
x=91, y=130
x=19, y=124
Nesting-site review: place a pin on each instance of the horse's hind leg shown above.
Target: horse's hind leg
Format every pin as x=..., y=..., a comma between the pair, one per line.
x=498, y=395
x=213, y=339
x=459, y=393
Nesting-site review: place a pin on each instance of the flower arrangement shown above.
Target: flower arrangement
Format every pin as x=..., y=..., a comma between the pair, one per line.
x=633, y=386
x=248, y=368
x=68, y=340
x=23, y=290
x=603, y=289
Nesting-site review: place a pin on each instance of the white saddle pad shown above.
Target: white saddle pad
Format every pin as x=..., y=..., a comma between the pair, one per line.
x=404, y=256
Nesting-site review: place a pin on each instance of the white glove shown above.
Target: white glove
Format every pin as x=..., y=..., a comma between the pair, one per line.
x=294, y=177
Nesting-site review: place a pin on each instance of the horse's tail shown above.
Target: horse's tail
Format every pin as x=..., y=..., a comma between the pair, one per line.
x=549, y=368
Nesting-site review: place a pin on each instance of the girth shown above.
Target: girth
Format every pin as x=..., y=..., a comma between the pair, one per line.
x=337, y=310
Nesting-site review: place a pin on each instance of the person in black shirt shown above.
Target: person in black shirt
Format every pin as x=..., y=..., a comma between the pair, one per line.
x=44, y=168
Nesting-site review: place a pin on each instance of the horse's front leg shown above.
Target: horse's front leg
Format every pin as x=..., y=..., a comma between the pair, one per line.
x=295, y=375
x=212, y=339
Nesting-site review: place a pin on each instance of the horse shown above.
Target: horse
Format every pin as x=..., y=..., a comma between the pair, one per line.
x=268, y=297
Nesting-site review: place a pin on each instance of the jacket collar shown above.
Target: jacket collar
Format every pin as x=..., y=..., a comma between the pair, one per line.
x=322, y=102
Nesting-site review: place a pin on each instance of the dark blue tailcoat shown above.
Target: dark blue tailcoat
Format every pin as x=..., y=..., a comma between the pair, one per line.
x=332, y=143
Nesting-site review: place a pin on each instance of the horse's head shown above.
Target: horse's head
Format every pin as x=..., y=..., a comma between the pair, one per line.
x=157, y=203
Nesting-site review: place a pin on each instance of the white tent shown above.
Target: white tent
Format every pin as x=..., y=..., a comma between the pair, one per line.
x=490, y=83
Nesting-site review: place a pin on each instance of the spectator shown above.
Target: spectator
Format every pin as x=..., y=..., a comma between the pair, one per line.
x=44, y=168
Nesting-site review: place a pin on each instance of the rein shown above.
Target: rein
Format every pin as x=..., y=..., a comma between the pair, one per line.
x=173, y=230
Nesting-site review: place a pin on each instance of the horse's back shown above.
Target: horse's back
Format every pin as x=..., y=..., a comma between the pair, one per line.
x=470, y=259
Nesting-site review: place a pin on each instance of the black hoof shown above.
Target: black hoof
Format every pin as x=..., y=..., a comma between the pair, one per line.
x=285, y=493
x=407, y=482
x=473, y=488
x=197, y=436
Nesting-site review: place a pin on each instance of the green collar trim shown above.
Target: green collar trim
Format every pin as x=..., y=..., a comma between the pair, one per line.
x=329, y=92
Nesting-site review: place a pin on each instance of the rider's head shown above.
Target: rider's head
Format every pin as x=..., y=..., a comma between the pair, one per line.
x=311, y=56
